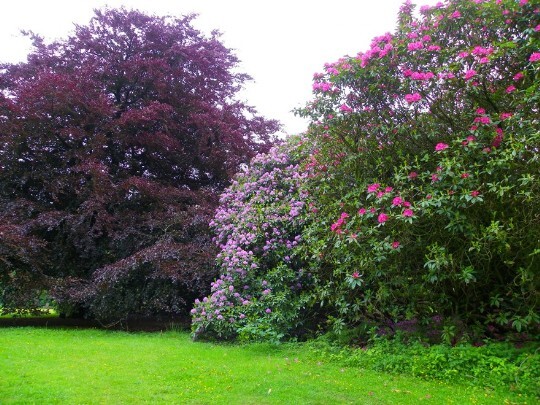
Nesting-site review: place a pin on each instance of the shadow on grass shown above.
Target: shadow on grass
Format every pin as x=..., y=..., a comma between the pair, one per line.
x=138, y=324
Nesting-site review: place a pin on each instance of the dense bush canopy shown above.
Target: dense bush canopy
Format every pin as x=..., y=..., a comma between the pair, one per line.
x=115, y=144
x=419, y=185
x=259, y=294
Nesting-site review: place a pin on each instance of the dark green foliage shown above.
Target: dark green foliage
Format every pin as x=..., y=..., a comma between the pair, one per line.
x=426, y=172
x=493, y=365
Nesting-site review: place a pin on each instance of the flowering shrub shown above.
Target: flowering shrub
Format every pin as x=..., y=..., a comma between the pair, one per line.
x=427, y=184
x=412, y=196
x=263, y=283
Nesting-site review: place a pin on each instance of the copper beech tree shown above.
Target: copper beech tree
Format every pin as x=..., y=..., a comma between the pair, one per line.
x=115, y=144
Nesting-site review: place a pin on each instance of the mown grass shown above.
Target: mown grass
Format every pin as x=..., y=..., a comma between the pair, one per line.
x=48, y=366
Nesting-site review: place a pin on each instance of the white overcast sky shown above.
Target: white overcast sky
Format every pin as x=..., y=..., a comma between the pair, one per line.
x=280, y=43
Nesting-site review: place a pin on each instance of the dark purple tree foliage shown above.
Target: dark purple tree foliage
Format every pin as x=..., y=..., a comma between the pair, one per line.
x=114, y=145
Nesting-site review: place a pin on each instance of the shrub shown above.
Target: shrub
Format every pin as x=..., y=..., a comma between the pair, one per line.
x=263, y=289
x=426, y=171
x=419, y=189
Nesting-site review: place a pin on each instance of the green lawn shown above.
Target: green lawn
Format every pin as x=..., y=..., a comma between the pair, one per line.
x=46, y=366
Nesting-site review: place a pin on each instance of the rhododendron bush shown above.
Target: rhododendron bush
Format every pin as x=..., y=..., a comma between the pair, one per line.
x=261, y=291
x=428, y=156
x=420, y=185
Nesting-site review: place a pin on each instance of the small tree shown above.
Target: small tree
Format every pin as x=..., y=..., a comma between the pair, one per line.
x=115, y=144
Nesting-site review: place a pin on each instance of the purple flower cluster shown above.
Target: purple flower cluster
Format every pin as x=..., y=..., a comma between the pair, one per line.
x=257, y=228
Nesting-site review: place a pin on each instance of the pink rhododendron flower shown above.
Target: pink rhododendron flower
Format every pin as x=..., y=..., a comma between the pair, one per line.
x=397, y=201
x=481, y=51
x=483, y=120
x=441, y=146
x=434, y=178
x=498, y=138
x=506, y=115
x=395, y=244
x=413, y=175
x=387, y=48
x=333, y=71
x=388, y=189
x=535, y=57
x=518, y=76
x=361, y=211
x=463, y=54
x=469, y=74
x=465, y=175
x=324, y=86
x=537, y=28
x=356, y=275
x=336, y=226
x=434, y=48
x=480, y=111
x=345, y=108
x=455, y=14
x=422, y=76
x=415, y=46
x=408, y=212
x=373, y=187
x=475, y=193
x=446, y=75
x=510, y=89
x=412, y=98
x=382, y=218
